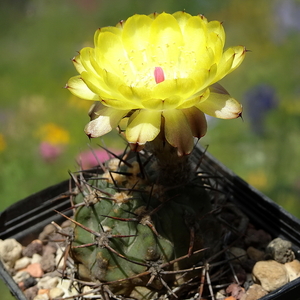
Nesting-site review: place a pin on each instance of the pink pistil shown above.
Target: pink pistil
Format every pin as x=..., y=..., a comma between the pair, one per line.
x=159, y=74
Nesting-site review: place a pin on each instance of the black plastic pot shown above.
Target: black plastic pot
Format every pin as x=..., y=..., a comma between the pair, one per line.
x=25, y=219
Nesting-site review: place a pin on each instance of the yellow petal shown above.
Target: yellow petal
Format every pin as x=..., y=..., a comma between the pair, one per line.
x=196, y=52
x=108, y=93
x=112, y=29
x=96, y=85
x=110, y=53
x=181, y=87
x=195, y=34
x=220, y=104
x=181, y=17
x=137, y=94
x=96, y=77
x=230, y=60
x=165, y=40
x=202, y=78
x=85, y=55
x=195, y=100
x=159, y=104
x=135, y=38
x=178, y=132
x=108, y=119
x=143, y=126
x=136, y=31
x=121, y=104
x=77, y=64
x=239, y=55
x=78, y=88
x=216, y=44
x=218, y=29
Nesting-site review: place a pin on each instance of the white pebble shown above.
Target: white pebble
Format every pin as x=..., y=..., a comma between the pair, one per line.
x=67, y=286
x=56, y=293
x=21, y=276
x=59, y=259
x=22, y=263
x=87, y=289
x=36, y=258
x=48, y=282
x=293, y=269
x=10, y=252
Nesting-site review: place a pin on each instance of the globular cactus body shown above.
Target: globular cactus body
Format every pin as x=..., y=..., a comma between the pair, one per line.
x=134, y=228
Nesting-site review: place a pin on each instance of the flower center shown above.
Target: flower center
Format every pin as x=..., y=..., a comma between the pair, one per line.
x=159, y=74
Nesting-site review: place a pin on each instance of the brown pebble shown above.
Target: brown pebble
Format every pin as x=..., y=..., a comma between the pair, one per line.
x=48, y=230
x=66, y=223
x=48, y=263
x=31, y=292
x=237, y=255
x=35, y=246
x=257, y=238
x=48, y=250
x=35, y=270
x=248, y=265
x=255, y=254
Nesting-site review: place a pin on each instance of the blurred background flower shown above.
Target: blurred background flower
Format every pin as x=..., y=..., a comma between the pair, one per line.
x=92, y=158
x=2, y=142
x=50, y=152
x=259, y=102
x=53, y=134
x=53, y=140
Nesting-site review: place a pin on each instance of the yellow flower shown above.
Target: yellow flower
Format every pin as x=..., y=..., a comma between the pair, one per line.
x=159, y=71
x=53, y=134
x=258, y=179
x=2, y=142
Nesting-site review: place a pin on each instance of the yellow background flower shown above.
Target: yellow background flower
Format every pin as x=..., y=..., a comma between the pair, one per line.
x=159, y=71
x=53, y=134
x=2, y=143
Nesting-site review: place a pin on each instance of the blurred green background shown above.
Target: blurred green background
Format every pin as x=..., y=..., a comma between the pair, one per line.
x=41, y=123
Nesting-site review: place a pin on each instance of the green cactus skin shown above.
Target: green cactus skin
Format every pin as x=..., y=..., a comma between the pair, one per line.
x=139, y=226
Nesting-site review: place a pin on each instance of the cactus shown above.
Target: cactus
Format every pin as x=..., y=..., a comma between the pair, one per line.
x=152, y=79
x=129, y=227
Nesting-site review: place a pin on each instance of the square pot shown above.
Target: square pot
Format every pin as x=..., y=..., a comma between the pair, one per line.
x=25, y=219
